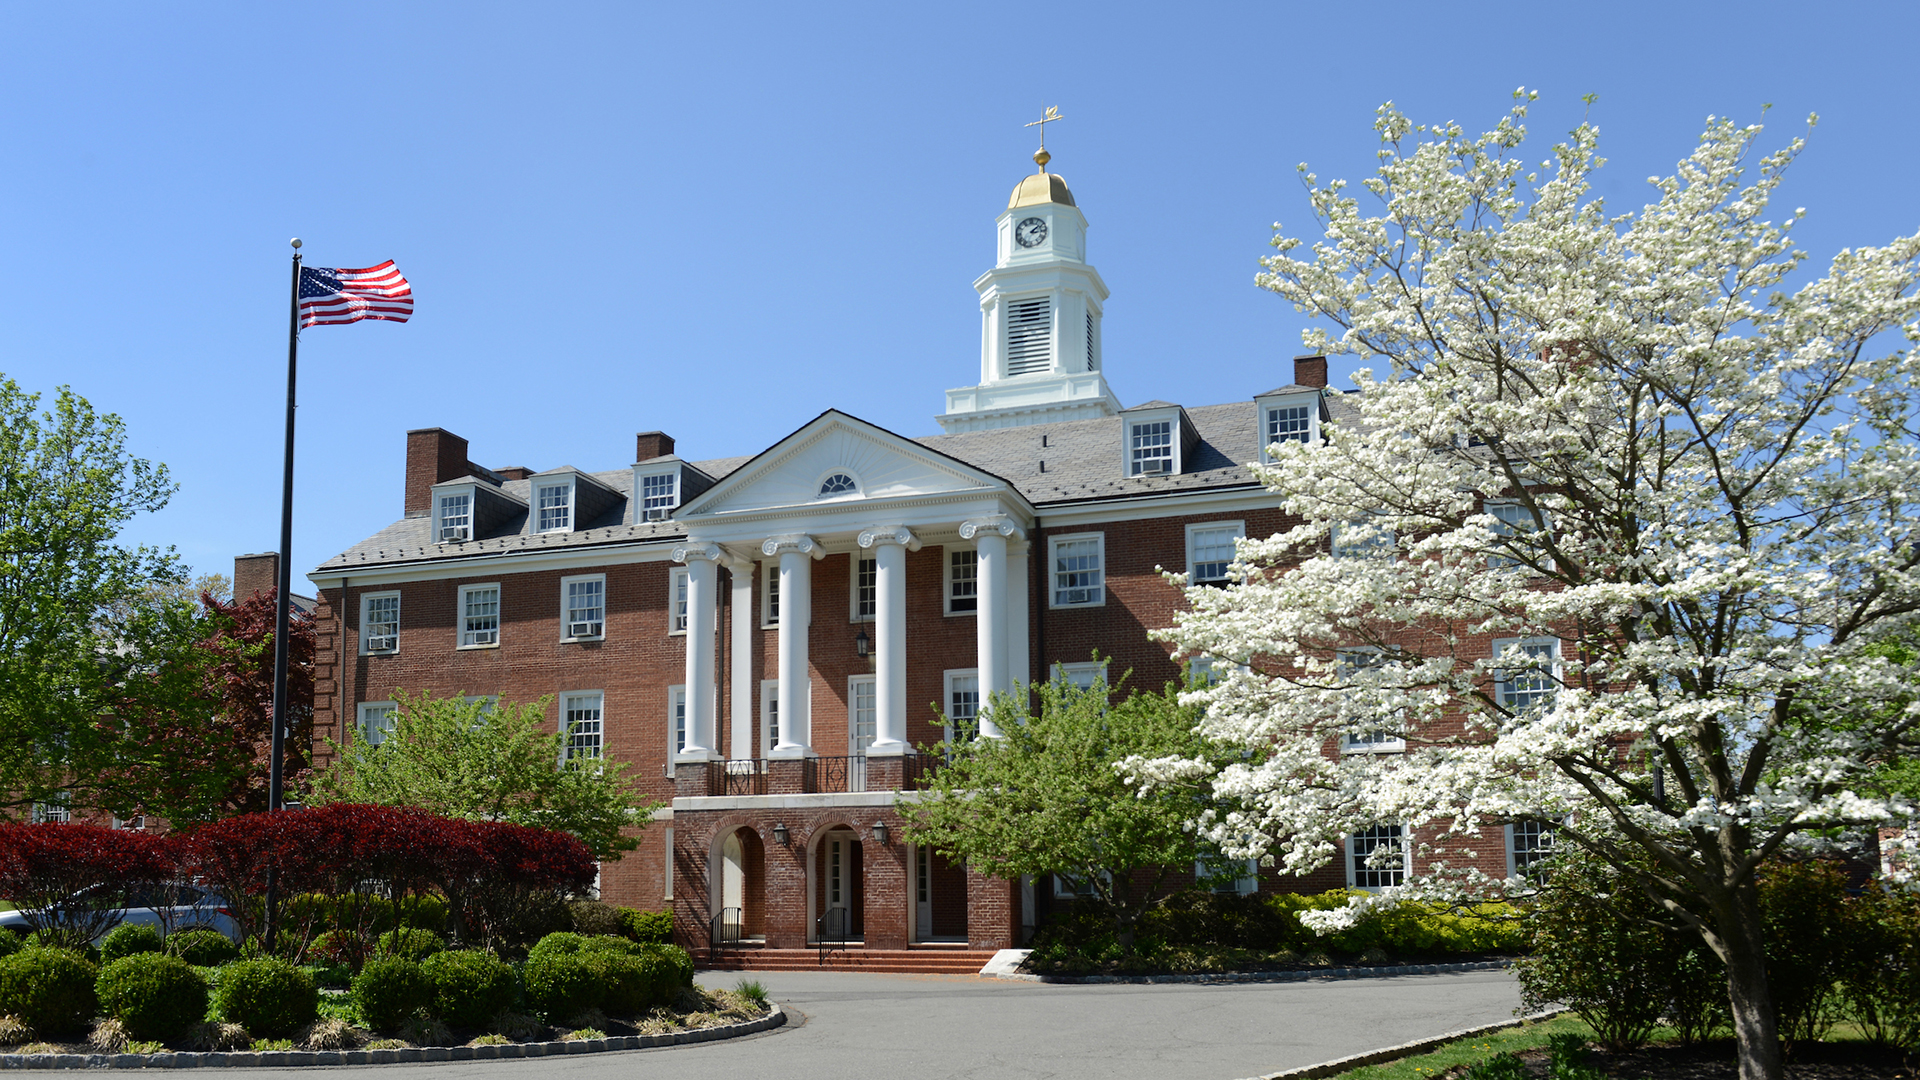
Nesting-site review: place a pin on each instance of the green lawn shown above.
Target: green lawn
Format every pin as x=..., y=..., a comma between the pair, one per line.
x=1465, y=1051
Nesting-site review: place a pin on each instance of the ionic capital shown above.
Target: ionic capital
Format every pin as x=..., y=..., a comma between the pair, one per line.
x=889, y=534
x=796, y=542
x=999, y=523
x=704, y=552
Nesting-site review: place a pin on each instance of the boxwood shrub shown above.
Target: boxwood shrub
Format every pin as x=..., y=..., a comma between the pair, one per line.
x=469, y=987
x=653, y=926
x=10, y=943
x=50, y=990
x=128, y=939
x=390, y=992
x=567, y=974
x=153, y=995
x=269, y=997
x=410, y=943
x=202, y=947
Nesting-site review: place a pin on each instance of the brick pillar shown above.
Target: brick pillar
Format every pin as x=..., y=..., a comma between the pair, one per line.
x=886, y=888
x=886, y=773
x=993, y=912
x=786, y=889
x=787, y=776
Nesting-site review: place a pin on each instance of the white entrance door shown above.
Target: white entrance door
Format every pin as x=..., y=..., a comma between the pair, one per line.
x=923, y=893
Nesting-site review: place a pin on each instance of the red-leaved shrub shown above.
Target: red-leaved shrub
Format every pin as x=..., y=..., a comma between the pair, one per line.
x=71, y=880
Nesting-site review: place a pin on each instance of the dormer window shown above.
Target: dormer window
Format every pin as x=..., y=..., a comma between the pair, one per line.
x=838, y=484
x=456, y=517
x=555, y=503
x=659, y=494
x=1291, y=414
x=1152, y=445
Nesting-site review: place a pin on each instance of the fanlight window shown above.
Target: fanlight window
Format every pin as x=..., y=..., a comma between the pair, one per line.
x=837, y=484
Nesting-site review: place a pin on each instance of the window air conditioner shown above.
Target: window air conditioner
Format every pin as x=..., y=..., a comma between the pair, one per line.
x=1077, y=596
x=380, y=643
x=453, y=532
x=583, y=629
x=1156, y=465
x=659, y=513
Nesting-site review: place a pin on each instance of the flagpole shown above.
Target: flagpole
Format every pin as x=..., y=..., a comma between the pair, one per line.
x=283, y=587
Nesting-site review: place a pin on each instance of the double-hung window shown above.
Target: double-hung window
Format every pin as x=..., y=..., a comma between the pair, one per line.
x=380, y=622
x=56, y=809
x=1077, y=562
x=659, y=494
x=1362, y=539
x=1529, y=675
x=963, y=702
x=1381, y=729
x=677, y=601
x=583, y=603
x=1082, y=676
x=554, y=505
x=1150, y=444
x=1210, y=551
x=1377, y=857
x=1289, y=423
x=862, y=714
x=866, y=588
x=1511, y=522
x=770, y=594
x=1528, y=845
x=376, y=721
x=677, y=716
x=581, y=718
x=479, y=616
x=963, y=581
x=456, y=517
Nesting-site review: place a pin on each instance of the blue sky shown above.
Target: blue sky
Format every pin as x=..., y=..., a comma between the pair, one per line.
x=718, y=220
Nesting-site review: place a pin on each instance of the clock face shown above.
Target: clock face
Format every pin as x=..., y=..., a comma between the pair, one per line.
x=1030, y=232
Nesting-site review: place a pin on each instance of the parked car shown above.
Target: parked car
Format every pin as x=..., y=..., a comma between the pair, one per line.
x=168, y=908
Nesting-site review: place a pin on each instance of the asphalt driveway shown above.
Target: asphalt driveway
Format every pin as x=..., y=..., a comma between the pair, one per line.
x=934, y=1027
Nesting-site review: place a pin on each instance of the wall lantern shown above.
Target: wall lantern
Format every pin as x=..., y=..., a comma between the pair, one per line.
x=780, y=833
x=862, y=644
x=880, y=832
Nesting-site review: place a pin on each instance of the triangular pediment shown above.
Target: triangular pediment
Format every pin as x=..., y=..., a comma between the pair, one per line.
x=881, y=464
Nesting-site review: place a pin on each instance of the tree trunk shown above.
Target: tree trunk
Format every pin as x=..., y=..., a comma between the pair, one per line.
x=1754, y=1024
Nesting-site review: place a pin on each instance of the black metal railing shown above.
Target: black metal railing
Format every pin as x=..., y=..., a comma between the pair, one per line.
x=832, y=931
x=724, y=930
x=738, y=777
x=835, y=775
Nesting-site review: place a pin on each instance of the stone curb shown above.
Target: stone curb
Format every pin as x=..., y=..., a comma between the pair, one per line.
x=1395, y=1053
x=1270, y=976
x=278, y=1058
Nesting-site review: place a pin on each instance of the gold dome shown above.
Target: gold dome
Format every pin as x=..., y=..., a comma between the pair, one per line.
x=1044, y=187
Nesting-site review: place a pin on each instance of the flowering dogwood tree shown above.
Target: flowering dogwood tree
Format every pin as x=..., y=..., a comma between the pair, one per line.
x=1600, y=546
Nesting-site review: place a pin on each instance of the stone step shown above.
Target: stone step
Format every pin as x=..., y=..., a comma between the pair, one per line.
x=933, y=960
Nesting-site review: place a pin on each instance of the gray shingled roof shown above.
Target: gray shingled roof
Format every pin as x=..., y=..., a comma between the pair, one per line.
x=1082, y=457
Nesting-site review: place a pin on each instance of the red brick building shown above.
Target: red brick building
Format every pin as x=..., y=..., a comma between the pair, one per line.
x=768, y=638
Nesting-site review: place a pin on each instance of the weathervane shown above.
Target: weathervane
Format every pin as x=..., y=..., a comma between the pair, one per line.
x=1041, y=157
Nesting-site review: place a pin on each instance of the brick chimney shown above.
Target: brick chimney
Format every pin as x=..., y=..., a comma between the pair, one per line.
x=255, y=574
x=652, y=444
x=1310, y=371
x=433, y=455
x=513, y=472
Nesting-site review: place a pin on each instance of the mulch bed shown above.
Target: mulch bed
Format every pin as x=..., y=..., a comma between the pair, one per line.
x=1716, y=1061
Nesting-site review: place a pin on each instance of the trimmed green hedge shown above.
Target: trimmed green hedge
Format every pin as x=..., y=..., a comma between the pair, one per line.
x=269, y=997
x=155, y=996
x=566, y=974
x=128, y=939
x=469, y=987
x=390, y=991
x=202, y=947
x=50, y=990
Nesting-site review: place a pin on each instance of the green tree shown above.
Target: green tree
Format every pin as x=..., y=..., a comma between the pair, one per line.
x=1046, y=797
x=476, y=759
x=72, y=624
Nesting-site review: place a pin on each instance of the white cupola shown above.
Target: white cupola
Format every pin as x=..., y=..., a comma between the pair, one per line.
x=1040, y=309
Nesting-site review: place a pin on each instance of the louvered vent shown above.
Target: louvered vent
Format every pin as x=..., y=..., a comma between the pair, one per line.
x=1029, y=336
x=1089, y=341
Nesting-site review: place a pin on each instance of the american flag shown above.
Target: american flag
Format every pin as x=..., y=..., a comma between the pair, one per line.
x=342, y=296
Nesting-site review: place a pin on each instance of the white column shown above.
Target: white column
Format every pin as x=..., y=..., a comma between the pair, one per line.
x=1019, y=554
x=890, y=544
x=702, y=592
x=796, y=614
x=745, y=721
x=989, y=534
